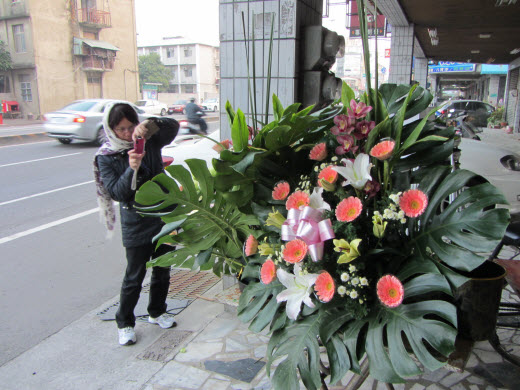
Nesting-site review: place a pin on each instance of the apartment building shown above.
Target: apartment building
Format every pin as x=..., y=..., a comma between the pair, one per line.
x=194, y=66
x=64, y=50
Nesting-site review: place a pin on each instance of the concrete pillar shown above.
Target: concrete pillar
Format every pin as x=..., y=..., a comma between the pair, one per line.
x=402, y=51
x=420, y=71
x=492, y=98
x=289, y=18
x=434, y=86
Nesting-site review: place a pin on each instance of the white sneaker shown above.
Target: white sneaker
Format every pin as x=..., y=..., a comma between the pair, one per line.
x=165, y=321
x=127, y=336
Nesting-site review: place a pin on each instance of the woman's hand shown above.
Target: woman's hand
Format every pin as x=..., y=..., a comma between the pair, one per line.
x=134, y=159
x=145, y=129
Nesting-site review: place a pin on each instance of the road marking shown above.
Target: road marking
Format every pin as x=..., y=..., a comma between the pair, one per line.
x=46, y=192
x=40, y=159
x=26, y=144
x=47, y=225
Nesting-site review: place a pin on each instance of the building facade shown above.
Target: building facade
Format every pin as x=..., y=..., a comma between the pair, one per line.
x=194, y=66
x=64, y=50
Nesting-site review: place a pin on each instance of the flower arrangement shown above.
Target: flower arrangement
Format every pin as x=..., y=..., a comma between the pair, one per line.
x=351, y=230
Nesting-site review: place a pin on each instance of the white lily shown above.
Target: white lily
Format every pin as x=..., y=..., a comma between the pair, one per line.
x=357, y=173
x=316, y=200
x=299, y=288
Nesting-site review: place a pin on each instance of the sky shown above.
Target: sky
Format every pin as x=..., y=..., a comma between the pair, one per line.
x=196, y=19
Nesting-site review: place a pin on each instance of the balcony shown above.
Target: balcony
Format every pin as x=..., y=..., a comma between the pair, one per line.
x=92, y=17
x=99, y=64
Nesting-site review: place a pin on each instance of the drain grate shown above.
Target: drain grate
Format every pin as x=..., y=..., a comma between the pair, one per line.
x=186, y=284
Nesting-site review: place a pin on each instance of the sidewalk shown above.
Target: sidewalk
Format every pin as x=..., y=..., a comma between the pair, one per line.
x=209, y=349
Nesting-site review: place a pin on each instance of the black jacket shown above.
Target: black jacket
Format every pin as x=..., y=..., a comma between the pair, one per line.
x=116, y=176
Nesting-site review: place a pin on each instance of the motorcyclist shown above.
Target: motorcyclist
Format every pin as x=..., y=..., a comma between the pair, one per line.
x=194, y=114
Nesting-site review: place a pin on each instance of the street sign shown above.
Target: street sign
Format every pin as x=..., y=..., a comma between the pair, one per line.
x=451, y=67
x=387, y=53
x=383, y=70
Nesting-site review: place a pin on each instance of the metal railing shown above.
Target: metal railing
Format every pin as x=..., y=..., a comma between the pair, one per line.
x=93, y=16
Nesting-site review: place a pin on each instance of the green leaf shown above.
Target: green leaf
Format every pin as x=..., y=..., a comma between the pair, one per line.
x=347, y=94
x=417, y=131
x=230, y=113
x=239, y=132
x=277, y=108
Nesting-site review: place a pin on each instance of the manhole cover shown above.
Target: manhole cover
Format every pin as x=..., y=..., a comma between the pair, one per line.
x=164, y=345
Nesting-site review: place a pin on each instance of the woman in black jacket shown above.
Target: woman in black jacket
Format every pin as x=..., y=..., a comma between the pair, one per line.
x=119, y=170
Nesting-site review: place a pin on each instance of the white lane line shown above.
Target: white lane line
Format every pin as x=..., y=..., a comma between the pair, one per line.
x=40, y=159
x=46, y=192
x=26, y=144
x=47, y=226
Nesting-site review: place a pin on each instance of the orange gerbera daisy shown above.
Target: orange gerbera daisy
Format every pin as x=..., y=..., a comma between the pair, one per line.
x=325, y=286
x=267, y=272
x=281, y=190
x=413, y=203
x=328, y=174
x=251, y=245
x=349, y=209
x=383, y=150
x=390, y=291
x=294, y=251
x=297, y=199
x=318, y=152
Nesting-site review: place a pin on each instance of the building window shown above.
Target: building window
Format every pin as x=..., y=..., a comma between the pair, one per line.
x=189, y=89
x=25, y=87
x=170, y=52
x=19, y=38
x=4, y=84
x=173, y=88
x=93, y=79
x=188, y=72
x=187, y=52
x=150, y=51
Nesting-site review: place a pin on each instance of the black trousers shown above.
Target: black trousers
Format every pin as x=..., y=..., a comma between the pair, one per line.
x=131, y=288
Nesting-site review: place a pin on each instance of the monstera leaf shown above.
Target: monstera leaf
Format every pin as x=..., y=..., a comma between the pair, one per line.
x=463, y=227
x=212, y=227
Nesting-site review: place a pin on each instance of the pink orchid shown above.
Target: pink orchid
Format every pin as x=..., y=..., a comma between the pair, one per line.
x=346, y=144
x=371, y=188
x=358, y=110
x=363, y=128
x=344, y=125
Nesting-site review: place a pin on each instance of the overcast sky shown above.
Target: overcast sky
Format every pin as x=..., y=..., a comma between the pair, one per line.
x=196, y=19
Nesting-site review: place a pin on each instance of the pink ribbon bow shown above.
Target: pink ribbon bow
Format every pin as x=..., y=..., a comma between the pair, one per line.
x=308, y=225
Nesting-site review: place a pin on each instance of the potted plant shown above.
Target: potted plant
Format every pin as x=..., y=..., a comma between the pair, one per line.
x=496, y=119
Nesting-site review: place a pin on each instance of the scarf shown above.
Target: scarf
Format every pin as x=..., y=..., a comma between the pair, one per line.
x=112, y=145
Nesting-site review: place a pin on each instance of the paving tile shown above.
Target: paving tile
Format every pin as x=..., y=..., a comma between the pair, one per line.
x=435, y=376
x=196, y=352
x=454, y=378
x=235, y=346
x=489, y=357
x=220, y=327
x=417, y=386
x=233, y=355
x=180, y=375
x=243, y=370
x=216, y=384
x=434, y=387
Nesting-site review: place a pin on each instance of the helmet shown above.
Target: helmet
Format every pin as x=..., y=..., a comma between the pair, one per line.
x=192, y=100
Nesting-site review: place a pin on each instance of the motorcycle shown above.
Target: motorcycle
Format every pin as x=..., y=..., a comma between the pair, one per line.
x=463, y=127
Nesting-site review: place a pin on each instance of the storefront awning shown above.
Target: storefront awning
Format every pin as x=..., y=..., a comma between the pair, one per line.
x=98, y=44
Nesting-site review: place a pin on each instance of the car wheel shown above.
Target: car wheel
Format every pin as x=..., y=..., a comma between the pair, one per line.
x=163, y=112
x=215, y=109
x=100, y=137
x=65, y=141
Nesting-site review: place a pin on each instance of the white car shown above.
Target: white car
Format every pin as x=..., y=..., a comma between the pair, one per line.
x=211, y=105
x=501, y=167
x=152, y=107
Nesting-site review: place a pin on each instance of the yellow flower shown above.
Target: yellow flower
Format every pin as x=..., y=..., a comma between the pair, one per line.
x=265, y=249
x=379, y=225
x=275, y=219
x=327, y=186
x=349, y=250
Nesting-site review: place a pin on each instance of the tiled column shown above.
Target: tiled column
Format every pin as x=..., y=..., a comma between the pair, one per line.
x=289, y=18
x=420, y=71
x=492, y=98
x=402, y=52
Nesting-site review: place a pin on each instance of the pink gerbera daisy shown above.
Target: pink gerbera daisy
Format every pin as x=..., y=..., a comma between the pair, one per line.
x=267, y=272
x=297, y=199
x=328, y=174
x=294, y=251
x=390, y=291
x=383, y=150
x=318, y=152
x=281, y=190
x=349, y=209
x=325, y=286
x=251, y=245
x=413, y=203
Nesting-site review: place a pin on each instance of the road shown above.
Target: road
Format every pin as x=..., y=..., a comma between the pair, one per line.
x=56, y=262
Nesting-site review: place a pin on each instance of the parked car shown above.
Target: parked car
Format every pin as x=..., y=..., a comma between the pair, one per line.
x=501, y=167
x=80, y=120
x=478, y=112
x=152, y=107
x=177, y=107
x=211, y=105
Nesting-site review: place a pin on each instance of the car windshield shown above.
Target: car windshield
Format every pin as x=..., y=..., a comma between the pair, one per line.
x=180, y=102
x=211, y=101
x=79, y=106
x=140, y=103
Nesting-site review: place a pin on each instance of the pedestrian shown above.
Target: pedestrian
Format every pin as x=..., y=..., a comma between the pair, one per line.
x=117, y=166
